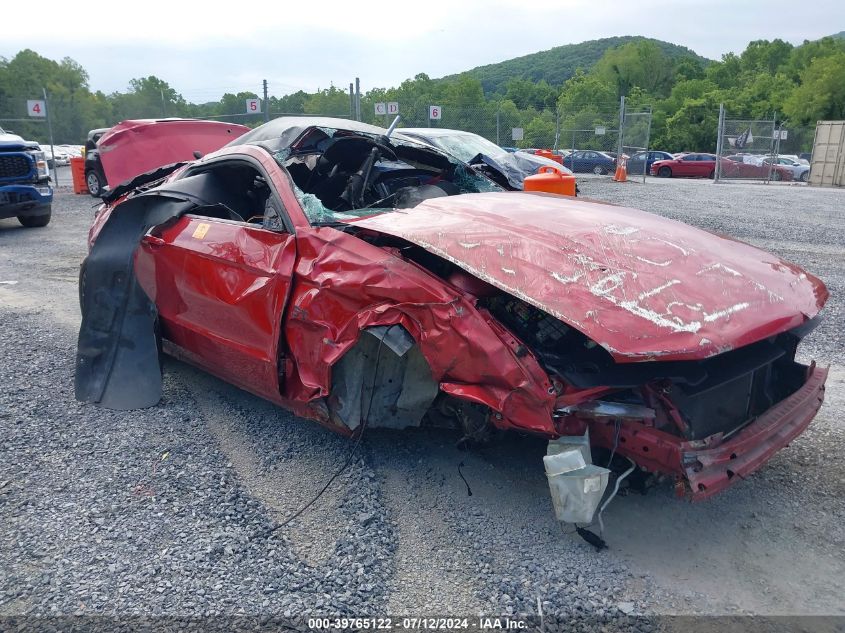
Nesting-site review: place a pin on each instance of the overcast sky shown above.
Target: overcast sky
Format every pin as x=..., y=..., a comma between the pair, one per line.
x=204, y=51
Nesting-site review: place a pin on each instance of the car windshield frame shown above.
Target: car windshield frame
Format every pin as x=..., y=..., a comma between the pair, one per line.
x=317, y=214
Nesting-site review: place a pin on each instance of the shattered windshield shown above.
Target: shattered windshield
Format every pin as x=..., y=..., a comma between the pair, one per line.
x=467, y=146
x=340, y=175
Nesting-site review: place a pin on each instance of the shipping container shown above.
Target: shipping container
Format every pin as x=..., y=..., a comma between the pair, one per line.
x=827, y=167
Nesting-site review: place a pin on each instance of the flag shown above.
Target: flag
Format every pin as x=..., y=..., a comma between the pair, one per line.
x=744, y=139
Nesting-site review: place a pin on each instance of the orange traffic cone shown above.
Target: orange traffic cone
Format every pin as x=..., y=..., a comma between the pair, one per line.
x=621, y=171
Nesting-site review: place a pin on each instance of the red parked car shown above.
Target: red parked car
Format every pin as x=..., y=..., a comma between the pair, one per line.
x=755, y=167
x=366, y=281
x=689, y=166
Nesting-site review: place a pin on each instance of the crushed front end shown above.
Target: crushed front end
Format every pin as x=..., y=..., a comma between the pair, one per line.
x=705, y=423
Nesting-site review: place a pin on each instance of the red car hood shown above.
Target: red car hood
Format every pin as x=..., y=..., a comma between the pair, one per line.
x=131, y=148
x=642, y=286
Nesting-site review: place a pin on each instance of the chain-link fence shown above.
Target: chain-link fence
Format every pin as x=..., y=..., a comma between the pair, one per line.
x=762, y=150
x=636, y=134
x=589, y=129
x=746, y=149
x=796, y=140
x=27, y=118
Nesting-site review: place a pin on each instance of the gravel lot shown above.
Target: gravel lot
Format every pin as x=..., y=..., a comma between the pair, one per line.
x=164, y=511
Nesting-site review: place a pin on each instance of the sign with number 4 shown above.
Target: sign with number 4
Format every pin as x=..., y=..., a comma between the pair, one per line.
x=435, y=112
x=253, y=106
x=36, y=108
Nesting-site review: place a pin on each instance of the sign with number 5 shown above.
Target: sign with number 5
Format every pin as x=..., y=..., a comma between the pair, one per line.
x=36, y=108
x=253, y=106
x=434, y=112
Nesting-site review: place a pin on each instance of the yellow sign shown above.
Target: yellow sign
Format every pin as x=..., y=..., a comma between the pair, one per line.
x=201, y=230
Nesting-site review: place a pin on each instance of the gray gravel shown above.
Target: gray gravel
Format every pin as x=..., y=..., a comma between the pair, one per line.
x=162, y=511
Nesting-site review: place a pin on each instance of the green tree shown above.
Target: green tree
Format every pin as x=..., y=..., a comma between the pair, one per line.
x=763, y=56
x=330, y=101
x=638, y=64
x=148, y=98
x=821, y=94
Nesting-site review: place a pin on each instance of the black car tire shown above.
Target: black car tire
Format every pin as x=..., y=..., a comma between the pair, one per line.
x=712, y=174
x=776, y=175
x=92, y=180
x=35, y=221
x=664, y=172
x=804, y=177
x=598, y=170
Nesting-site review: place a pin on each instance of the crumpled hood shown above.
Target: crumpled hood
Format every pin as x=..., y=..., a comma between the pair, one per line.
x=642, y=286
x=134, y=147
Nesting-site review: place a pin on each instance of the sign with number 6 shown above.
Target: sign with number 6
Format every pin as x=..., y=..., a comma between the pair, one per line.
x=434, y=112
x=36, y=108
x=253, y=106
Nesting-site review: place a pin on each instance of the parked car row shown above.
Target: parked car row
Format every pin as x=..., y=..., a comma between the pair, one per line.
x=703, y=165
x=60, y=155
x=684, y=164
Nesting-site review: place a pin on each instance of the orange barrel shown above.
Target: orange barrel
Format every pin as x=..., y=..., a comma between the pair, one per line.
x=550, y=180
x=77, y=171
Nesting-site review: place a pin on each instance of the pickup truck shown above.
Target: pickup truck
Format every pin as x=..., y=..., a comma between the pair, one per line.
x=25, y=191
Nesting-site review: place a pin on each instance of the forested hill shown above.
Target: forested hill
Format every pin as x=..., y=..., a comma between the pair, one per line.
x=558, y=64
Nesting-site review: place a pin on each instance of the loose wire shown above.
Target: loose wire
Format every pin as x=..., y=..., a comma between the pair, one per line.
x=348, y=461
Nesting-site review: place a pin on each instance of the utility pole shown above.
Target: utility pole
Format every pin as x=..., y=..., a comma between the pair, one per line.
x=351, y=100
x=50, y=131
x=621, y=126
x=720, y=131
x=557, y=129
x=266, y=103
x=357, y=99
x=163, y=108
x=498, y=142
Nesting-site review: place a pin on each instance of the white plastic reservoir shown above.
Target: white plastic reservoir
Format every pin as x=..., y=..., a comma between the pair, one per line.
x=576, y=485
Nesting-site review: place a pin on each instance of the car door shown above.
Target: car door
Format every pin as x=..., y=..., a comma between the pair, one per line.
x=220, y=285
x=706, y=165
x=686, y=166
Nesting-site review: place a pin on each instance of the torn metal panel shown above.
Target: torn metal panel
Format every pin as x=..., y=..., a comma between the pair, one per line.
x=117, y=361
x=642, y=286
x=328, y=312
x=383, y=381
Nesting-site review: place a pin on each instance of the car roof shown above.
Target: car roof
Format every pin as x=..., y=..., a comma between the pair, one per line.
x=432, y=131
x=280, y=133
x=99, y=131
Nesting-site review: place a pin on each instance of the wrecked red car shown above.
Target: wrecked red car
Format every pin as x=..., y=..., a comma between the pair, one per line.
x=368, y=281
